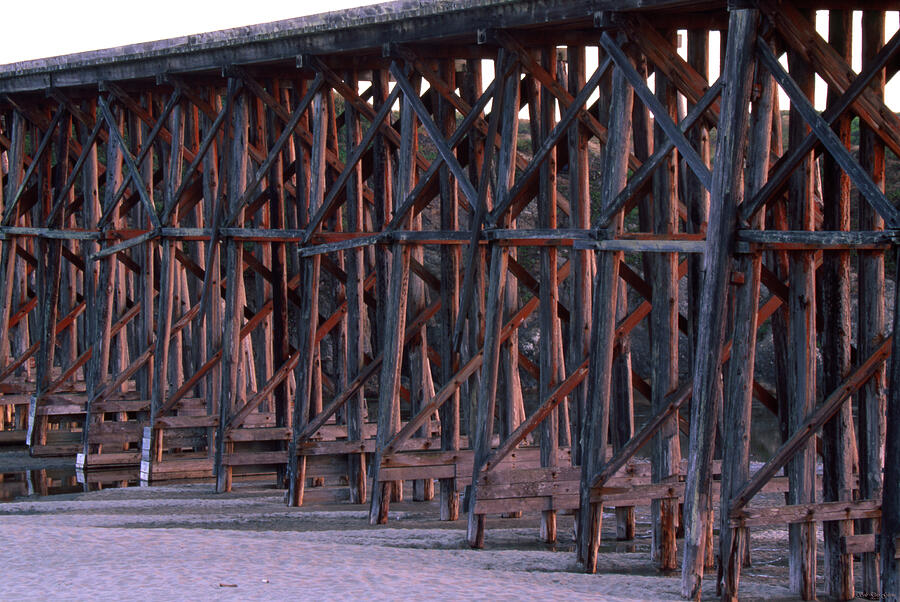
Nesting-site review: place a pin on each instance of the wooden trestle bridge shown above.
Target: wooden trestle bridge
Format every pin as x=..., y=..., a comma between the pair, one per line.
x=327, y=249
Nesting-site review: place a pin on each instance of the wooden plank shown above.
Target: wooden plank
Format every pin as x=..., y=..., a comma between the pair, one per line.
x=535, y=504
x=255, y=458
x=177, y=422
x=804, y=513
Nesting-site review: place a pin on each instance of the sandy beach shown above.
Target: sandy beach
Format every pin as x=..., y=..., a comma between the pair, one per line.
x=186, y=542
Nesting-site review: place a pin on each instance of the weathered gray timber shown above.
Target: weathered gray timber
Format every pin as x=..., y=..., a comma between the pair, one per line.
x=739, y=384
x=309, y=224
x=606, y=282
x=801, y=335
x=838, y=433
x=725, y=195
x=871, y=314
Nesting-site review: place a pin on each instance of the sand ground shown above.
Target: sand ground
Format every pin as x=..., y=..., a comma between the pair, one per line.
x=186, y=542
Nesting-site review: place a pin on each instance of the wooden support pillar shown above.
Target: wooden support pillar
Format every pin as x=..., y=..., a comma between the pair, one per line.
x=484, y=421
x=234, y=268
x=309, y=312
x=105, y=291
x=450, y=265
x=48, y=253
x=382, y=196
x=145, y=286
x=389, y=392
x=621, y=411
x=211, y=186
x=837, y=434
x=778, y=260
x=356, y=310
x=420, y=366
x=280, y=340
x=511, y=412
x=90, y=209
x=16, y=159
x=738, y=395
x=582, y=261
x=802, y=341
x=696, y=199
x=666, y=448
x=471, y=90
x=890, y=497
x=549, y=291
x=870, y=314
x=603, y=325
x=167, y=282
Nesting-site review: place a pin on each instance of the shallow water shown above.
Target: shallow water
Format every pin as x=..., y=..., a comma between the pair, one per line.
x=23, y=477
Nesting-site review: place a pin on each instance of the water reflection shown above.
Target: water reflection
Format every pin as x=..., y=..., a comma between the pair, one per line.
x=57, y=481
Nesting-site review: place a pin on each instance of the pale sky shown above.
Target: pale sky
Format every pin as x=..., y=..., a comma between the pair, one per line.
x=42, y=28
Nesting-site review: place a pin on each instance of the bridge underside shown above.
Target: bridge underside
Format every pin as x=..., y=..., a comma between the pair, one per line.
x=458, y=242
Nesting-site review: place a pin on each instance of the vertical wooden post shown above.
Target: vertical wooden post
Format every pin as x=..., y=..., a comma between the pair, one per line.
x=549, y=290
x=511, y=410
x=389, y=393
x=802, y=341
x=90, y=209
x=696, y=196
x=145, y=282
x=309, y=312
x=603, y=324
x=666, y=450
x=739, y=385
x=582, y=261
x=280, y=340
x=472, y=89
x=48, y=274
x=509, y=388
x=382, y=196
x=870, y=313
x=420, y=366
x=106, y=281
x=449, y=412
x=778, y=259
x=484, y=421
x=890, y=498
x=621, y=411
x=16, y=158
x=213, y=312
x=356, y=310
x=167, y=276
x=837, y=433
x=234, y=267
